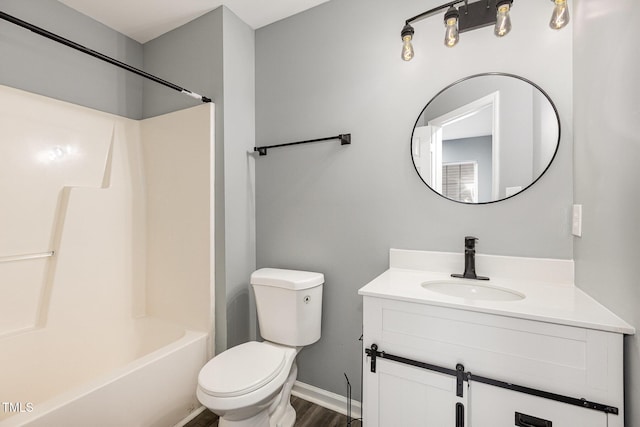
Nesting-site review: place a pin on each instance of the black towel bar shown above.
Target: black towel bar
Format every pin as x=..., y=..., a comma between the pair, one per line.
x=345, y=139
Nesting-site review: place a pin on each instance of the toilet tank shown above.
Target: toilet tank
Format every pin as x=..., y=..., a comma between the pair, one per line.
x=289, y=304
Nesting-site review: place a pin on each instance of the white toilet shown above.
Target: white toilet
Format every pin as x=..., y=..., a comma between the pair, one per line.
x=250, y=384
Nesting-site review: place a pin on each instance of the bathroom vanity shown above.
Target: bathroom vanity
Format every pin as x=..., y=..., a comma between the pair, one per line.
x=525, y=348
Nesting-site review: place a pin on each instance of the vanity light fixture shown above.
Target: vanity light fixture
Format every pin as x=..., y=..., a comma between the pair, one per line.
x=473, y=15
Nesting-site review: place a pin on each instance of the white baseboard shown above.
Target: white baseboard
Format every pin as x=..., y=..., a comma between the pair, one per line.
x=326, y=399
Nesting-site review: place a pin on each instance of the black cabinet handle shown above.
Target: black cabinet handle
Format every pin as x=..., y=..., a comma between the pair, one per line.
x=459, y=415
x=524, y=420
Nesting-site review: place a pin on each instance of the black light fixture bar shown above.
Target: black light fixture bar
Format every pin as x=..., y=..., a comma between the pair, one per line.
x=434, y=10
x=345, y=139
x=472, y=15
x=98, y=55
x=477, y=15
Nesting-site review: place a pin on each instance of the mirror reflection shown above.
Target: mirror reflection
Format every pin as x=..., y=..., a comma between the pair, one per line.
x=485, y=138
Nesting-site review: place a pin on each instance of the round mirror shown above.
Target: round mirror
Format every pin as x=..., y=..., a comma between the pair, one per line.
x=485, y=138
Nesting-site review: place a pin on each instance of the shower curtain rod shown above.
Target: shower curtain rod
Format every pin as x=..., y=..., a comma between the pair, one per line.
x=99, y=55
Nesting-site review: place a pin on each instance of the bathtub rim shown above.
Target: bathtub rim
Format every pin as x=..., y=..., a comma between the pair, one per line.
x=76, y=393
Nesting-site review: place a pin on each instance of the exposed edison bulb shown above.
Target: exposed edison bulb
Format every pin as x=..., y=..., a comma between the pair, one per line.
x=560, y=16
x=407, y=47
x=451, y=34
x=503, y=20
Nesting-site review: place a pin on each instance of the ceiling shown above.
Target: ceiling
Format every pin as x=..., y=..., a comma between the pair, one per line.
x=144, y=20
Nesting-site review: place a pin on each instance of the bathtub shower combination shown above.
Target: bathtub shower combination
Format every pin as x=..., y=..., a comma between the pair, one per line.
x=106, y=277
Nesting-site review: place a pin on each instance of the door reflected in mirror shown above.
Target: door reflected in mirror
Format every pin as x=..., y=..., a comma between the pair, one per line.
x=485, y=138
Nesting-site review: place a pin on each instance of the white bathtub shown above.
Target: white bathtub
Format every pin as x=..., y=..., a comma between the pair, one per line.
x=145, y=375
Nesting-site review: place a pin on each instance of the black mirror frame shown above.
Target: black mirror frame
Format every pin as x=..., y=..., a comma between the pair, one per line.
x=555, y=110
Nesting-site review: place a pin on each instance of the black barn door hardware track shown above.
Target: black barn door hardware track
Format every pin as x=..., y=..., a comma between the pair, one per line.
x=462, y=376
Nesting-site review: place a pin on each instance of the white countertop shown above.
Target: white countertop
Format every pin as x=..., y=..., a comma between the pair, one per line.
x=550, y=295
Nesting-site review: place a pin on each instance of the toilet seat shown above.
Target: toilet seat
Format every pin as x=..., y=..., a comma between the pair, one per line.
x=242, y=369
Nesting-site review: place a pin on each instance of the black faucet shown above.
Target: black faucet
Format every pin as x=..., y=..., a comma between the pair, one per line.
x=470, y=260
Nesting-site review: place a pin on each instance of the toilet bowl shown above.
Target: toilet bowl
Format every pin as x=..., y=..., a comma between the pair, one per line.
x=246, y=383
x=250, y=385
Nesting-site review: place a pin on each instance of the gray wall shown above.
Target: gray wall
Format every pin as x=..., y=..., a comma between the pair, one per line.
x=35, y=64
x=239, y=163
x=338, y=209
x=191, y=57
x=607, y=152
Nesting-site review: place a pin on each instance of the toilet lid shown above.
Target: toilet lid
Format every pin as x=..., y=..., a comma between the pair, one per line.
x=241, y=369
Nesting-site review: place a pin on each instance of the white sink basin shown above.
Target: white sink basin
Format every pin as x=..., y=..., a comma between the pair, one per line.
x=472, y=290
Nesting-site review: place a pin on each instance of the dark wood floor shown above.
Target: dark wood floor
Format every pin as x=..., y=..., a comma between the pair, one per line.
x=307, y=415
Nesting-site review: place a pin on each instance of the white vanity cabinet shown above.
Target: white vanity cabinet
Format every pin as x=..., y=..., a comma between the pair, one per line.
x=563, y=360
x=552, y=359
x=404, y=395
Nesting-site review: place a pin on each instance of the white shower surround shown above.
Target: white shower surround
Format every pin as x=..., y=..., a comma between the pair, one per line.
x=113, y=329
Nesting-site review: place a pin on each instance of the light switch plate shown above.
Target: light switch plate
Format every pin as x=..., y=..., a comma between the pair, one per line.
x=576, y=227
